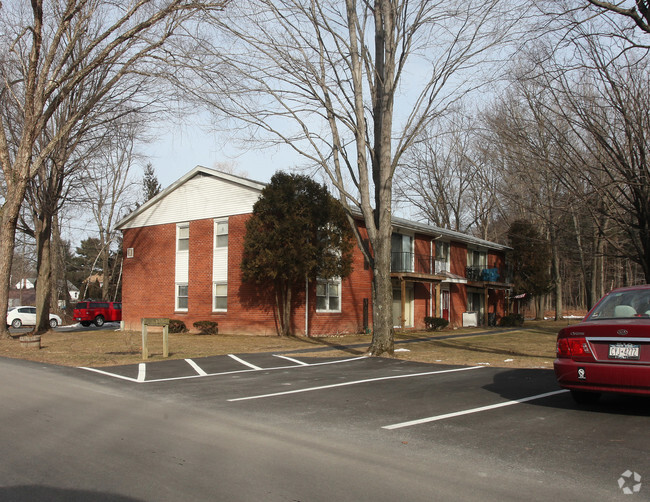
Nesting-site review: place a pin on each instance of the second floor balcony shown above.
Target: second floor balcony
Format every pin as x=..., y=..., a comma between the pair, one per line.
x=412, y=263
x=402, y=262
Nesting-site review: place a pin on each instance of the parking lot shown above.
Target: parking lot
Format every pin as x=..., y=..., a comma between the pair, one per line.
x=493, y=430
x=516, y=417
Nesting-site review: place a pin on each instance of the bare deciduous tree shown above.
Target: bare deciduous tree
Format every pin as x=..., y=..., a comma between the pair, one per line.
x=605, y=104
x=110, y=190
x=49, y=50
x=349, y=86
x=448, y=178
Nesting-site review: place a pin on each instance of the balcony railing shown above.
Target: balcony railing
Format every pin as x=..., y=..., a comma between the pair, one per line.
x=482, y=274
x=411, y=262
x=403, y=262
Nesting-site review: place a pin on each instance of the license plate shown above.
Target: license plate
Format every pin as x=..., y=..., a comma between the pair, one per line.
x=623, y=351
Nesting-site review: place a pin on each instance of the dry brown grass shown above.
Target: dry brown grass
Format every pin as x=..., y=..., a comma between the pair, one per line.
x=531, y=346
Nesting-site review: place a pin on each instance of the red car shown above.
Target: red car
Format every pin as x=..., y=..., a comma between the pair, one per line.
x=609, y=350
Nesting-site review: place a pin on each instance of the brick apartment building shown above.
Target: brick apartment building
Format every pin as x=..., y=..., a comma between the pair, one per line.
x=183, y=248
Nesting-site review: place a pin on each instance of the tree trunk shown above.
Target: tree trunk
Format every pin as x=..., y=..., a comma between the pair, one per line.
x=382, y=312
x=59, y=272
x=106, y=273
x=382, y=174
x=557, y=276
x=44, y=267
x=9, y=216
x=539, y=307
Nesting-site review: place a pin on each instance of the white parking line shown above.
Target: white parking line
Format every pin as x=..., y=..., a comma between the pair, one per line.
x=114, y=375
x=142, y=372
x=473, y=410
x=245, y=363
x=188, y=377
x=355, y=382
x=292, y=360
x=196, y=367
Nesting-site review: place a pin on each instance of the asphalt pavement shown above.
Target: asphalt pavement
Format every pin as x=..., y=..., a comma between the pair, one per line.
x=294, y=427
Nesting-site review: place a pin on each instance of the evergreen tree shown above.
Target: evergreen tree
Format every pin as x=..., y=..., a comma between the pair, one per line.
x=150, y=184
x=298, y=231
x=531, y=261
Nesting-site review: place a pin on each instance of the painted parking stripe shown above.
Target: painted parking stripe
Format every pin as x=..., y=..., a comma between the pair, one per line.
x=114, y=375
x=355, y=382
x=189, y=377
x=302, y=363
x=245, y=363
x=142, y=372
x=196, y=367
x=473, y=410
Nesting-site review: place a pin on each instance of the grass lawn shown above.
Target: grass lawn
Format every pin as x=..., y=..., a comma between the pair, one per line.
x=532, y=346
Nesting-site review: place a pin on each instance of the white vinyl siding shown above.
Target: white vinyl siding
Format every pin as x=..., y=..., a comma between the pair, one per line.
x=202, y=196
x=182, y=272
x=220, y=266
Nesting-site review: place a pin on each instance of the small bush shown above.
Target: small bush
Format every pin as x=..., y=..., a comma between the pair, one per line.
x=176, y=326
x=512, y=321
x=207, y=327
x=435, y=323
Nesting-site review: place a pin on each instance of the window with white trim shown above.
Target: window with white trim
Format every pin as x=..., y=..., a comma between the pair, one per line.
x=183, y=237
x=442, y=256
x=181, y=296
x=221, y=234
x=476, y=258
x=328, y=295
x=220, y=297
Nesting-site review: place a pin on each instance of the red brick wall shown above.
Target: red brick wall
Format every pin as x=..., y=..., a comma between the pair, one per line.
x=148, y=277
x=457, y=258
x=148, y=287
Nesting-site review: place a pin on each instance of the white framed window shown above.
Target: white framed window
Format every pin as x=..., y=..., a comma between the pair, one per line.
x=183, y=237
x=328, y=295
x=221, y=234
x=442, y=256
x=220, y=297
x=181, y=297
x=476, y=258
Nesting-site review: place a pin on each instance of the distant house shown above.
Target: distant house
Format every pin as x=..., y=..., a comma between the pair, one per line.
x=25, y=293
x=183, y=250
x=26, y=284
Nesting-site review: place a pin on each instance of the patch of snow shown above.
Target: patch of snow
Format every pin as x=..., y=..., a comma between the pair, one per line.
x=482, y=364
x=402, y=350
x=508, y=360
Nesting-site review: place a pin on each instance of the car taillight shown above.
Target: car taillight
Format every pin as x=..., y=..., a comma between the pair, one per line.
x=573, y=347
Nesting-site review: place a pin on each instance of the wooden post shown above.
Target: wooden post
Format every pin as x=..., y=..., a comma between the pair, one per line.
x=403, y=303
x=486, y=307
x=155, y=321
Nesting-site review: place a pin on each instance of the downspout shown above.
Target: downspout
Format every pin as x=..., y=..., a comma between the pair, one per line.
x=306, y=305
x=432, y=271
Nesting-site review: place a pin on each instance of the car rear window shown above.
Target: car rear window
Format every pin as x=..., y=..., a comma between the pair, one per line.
x=82, y=305
x=624, y=304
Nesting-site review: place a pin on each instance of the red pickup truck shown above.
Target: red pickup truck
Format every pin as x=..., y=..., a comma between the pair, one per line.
x=97, y=312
